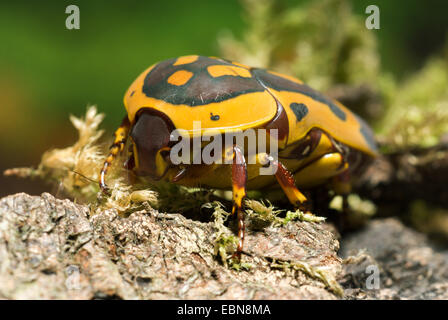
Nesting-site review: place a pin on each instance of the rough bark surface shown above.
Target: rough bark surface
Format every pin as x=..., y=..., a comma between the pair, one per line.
x=397, y=179
x=409, y=267
x=52, y=249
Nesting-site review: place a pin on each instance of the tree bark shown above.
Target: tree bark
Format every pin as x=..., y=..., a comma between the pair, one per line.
x=53, y=249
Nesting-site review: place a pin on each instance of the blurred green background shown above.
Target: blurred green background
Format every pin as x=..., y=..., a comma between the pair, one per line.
x=48, y=72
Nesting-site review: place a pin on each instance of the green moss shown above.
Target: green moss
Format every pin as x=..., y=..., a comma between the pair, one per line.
x=299, y=215
x=418, y=112
x=260, y=214
x=314, y=272
x=320, y=48
x=175, y=198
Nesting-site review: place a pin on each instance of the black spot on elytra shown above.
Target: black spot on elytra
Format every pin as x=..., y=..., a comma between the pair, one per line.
x=214, y=117
x=367, y=133
x=132, y=93
x=283, y=84
x=202, y=88
x=300, y=110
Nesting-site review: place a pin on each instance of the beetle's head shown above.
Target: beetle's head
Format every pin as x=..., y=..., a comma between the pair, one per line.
x=150, y=136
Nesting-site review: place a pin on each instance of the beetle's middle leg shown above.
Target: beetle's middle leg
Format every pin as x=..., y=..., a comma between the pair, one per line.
x=286, y=181
x=283, y=176
x=121, y=135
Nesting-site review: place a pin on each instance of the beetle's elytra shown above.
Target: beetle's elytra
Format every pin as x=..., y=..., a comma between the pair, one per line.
x=319, y=140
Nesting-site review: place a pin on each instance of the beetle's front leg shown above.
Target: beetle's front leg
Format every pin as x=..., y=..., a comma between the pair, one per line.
x=121, y=135
x=239, y=179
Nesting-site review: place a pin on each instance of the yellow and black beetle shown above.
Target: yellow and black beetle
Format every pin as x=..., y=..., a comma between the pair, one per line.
x=319, y=140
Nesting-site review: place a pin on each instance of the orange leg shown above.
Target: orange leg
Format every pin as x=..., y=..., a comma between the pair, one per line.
x=342, y=183
x=342, y=186
x=239, y=179
x=121, y=135
x=288, y=184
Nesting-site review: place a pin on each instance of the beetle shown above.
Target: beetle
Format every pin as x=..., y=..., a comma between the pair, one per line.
x=319, y=140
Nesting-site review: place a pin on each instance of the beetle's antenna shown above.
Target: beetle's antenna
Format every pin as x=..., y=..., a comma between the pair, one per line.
x=85, y=177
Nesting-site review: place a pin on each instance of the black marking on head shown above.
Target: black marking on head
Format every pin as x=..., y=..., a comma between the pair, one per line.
x=300, y=110
x=214, y=117
x=367, y=133
x=150, y=132
x=201, y=89
x=283, y=84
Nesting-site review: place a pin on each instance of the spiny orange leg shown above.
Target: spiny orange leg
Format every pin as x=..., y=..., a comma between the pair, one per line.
x=239, y=179
x=121, y=135
x=288, y=184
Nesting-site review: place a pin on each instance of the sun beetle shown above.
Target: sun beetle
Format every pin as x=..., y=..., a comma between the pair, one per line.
x=319, y=140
